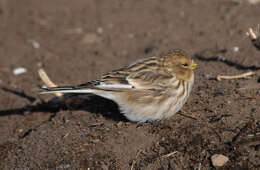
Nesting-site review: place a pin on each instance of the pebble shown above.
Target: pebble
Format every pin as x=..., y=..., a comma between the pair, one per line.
x=235, y=49
x=34, y=43
x=253, y=1
x=119, y=124
x=219, y=160
x=100, y=30
x=64, y=166
x=20, y=130
x=19, y=70
x=90, y=38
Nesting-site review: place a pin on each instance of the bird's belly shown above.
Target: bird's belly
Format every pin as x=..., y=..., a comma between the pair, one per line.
x=160, y=106
x=139, y=112
x=142, y=106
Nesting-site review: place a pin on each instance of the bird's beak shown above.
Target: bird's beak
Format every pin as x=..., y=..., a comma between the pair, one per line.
x=193, y=65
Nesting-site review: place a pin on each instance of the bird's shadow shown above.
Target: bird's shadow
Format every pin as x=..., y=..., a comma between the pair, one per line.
x=218, y=55
x=87, y=102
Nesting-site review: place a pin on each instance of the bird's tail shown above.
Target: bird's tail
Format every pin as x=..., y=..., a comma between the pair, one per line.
x=66, y=89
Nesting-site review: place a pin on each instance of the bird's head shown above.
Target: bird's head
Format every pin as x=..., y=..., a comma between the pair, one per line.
x=178, y=63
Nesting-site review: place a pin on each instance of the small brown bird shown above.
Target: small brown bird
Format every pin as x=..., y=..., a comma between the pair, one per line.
x=149, y=89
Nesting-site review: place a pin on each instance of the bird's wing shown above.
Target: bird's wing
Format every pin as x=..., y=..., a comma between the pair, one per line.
x=142, y=74
x=140, y=80
x=149, y=80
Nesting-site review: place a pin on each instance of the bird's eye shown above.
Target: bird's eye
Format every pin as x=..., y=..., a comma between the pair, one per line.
x=185, y=65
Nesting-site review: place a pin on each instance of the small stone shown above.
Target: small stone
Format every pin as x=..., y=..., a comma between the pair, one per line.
x=34, y=44
x=19, y=70
x=20, y=130
x=100, y=30
x=90, y=38
x=235, y=49
x=253, y=1
x=64, y=166
x=219, y=160
x=119, y=124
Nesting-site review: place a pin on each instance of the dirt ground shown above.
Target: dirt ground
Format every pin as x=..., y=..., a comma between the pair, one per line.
x=78, y=41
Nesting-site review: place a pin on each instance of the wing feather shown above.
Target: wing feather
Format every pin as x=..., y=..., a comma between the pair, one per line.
x=143, y=74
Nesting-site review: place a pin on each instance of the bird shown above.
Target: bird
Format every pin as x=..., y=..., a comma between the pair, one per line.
x=149, y=89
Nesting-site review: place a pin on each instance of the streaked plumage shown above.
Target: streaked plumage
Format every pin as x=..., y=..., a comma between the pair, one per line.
x=149, y=89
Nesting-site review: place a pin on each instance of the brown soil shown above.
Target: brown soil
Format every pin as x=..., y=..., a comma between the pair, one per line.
x=81, y=40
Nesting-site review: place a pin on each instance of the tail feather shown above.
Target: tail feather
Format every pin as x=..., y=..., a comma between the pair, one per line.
x=66, y=89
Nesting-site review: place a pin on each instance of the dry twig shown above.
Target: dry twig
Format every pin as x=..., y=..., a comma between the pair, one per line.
x=244, y=75
x=254, y=36
x=186, y=115
x=46, y=80
x=134, y=161
x=169, y=154
x=251, y=34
